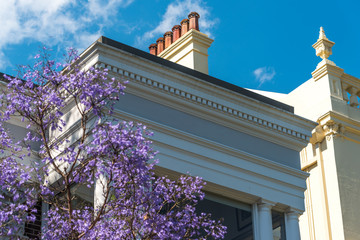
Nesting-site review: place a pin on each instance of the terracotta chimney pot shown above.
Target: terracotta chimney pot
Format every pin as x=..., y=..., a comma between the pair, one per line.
x=176, y=32
x=160, y=45
x=168, y=38
x=153, y=48
x=194, y=21
x=184, y=26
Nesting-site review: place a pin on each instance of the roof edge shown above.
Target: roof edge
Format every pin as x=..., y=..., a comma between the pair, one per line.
x=197, y=74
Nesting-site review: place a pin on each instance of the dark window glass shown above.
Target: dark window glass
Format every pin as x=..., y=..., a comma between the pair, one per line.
x=238, y=221
x=33, y=229
x=278, y=222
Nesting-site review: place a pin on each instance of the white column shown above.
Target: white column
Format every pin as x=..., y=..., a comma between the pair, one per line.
x=99, y=191
x=265, y=221
x=292, y=225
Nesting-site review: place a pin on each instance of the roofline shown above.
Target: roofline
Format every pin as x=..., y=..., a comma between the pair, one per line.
x=194, y=73
x=2, y=79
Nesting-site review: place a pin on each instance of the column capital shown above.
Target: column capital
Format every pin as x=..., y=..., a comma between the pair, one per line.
x=293, y=211
x=266, y=203
x=293, y=214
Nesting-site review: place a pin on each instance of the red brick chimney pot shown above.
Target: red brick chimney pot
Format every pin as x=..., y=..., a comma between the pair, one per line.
x=160, y=45
x=176, y=32
x=153, y=48
x=184, y=26
x=194, y=20
x=168, y=38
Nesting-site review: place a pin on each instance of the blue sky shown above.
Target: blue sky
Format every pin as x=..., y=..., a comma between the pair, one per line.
x=259, y=44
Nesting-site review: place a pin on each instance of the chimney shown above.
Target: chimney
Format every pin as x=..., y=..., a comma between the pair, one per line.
x=185, y=45
x=168, y=38
x=194, y=20
x=160, y=45
x=176, y=32
x=153, y=48
x=184, y=26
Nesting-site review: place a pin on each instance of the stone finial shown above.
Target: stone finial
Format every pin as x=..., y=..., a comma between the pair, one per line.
x=323, y=45
x=322, y=34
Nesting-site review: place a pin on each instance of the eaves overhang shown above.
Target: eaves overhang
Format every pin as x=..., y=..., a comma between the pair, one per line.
x=194, y=73
x=167, y=83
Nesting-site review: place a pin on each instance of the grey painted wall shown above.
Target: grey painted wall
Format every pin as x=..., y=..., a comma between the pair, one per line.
x=207, y=129
x=18, y=133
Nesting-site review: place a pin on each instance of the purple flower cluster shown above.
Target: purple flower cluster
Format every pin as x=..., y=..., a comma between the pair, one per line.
x=113, y=160
x=17, y=194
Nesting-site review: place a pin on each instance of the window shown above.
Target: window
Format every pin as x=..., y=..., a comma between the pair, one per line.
x=278, y=225
x=33, y=229
x=237, y=218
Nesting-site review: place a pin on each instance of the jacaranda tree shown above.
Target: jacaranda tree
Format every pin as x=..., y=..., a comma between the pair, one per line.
x=111, y=158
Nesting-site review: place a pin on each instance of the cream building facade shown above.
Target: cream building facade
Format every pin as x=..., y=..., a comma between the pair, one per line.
x=332, y=158
x=245, y=146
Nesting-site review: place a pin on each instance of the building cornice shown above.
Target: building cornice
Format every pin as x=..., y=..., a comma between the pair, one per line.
x=325, y=68
x=350, y=125
x=192, y=102
x=332, y=124
x=160, y=63
x=187, y=93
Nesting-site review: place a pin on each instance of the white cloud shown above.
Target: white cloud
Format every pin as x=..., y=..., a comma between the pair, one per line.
x=106, y=8
x=264, y=74
x=55, y=22
x=4, y=61
x=175, y=12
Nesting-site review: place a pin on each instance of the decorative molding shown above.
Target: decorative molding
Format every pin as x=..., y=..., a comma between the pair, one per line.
x=226, y=95
x=325, y=68
x=333, y=129
x=347, y=125
x=328, y=130
x=177, y=92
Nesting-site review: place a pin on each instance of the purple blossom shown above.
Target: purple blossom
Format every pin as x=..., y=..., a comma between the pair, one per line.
x=112, y=159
